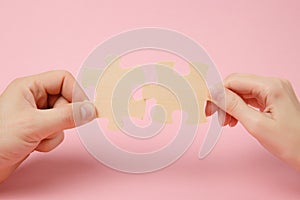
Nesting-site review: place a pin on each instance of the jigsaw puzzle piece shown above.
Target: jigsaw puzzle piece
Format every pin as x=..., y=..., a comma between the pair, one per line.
x=114, y=86
x=165, y=98
x=198, y=84
x=90, y=76
x=166, y=90
x=169, y=101
x=112, y=75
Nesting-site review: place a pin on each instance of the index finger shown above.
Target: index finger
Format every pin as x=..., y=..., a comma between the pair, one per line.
x=60, y=83
x=245, y=83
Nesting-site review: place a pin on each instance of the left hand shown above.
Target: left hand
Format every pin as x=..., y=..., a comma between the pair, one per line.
x=34, y=111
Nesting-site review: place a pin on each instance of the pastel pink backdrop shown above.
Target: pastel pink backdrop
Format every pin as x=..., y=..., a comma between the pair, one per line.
x=260, y=37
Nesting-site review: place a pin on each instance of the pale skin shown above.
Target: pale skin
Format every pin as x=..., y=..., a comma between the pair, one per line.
x=269, y=110
x=35, y=110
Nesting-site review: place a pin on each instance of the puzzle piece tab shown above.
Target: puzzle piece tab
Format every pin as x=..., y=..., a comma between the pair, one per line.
x=105, y=91
x=112, y=75
x=168, y=99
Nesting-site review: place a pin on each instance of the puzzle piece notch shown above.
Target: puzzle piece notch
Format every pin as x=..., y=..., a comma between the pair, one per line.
x=164, y=98
x=137, y=107
x=170, y=102
x=105, y=91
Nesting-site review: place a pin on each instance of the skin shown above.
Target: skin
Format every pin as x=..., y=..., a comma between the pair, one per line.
x=34, y=111
x=269, y=110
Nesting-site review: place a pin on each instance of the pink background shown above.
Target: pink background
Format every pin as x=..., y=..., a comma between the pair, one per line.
x=259, y=37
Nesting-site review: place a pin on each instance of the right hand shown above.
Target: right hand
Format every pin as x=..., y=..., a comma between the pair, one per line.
x=268, y=108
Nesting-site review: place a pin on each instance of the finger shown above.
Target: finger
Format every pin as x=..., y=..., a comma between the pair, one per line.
x=59, y=83
x=253, y=100
x=210, y=108
x=221, y=116
x=245, y=84
x=227, y=119
x=50, y=143
x=61, y=101
x=63, y=117
x=254, y=103
x=266, y=90
x=52, y=99
x=272, y=93
x=254, y=121
x=55, y=139
x=233, y=122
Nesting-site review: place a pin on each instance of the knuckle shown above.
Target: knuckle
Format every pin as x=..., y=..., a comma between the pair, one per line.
x=233, y=75
x=228, y=80
x=17, y=81
x=65, y=73
x=286, y=82
x=276, y=87
x=67, y=76
x=280, y=82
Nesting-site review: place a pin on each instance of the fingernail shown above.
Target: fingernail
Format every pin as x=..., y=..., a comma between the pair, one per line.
x=87, y=111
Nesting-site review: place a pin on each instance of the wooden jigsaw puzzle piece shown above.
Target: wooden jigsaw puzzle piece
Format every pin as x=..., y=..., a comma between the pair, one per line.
x=105, y=90
x=136, y=108
x=168, y=99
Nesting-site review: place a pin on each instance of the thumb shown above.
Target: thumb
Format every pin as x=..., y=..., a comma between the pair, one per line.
x=64, y=117
x=253, y=120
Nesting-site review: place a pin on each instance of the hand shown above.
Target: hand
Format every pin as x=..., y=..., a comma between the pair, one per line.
x=268, y=108
x=34, y=111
